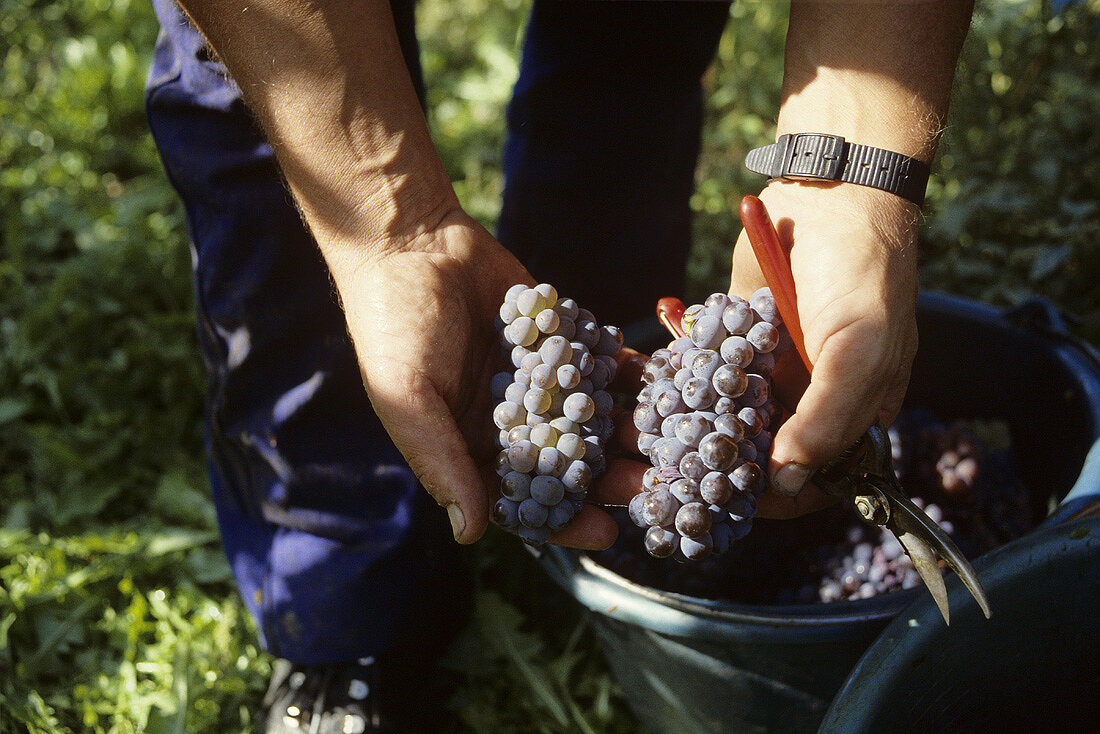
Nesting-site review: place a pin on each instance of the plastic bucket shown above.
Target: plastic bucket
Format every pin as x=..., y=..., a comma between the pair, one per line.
x=696, y=665
x=1033, y=666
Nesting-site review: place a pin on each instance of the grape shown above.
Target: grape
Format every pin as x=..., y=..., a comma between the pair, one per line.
x=751, y=420
x=690, y=428
x=746, y=478
x=634, y=509
x=716, y=488
x=514, y=393
x=718, y=451
x=763, y=337
x=577, y=476
x=603, y=402
x=544, y=376
x=567, y=308
x=698, y=393
x=747, y=450
x=499, y=385
x=696, y=549
x=533, y=536
x=737, y=318
x=543, y=435
x=610, y=341
x=646, y=418
x=556, y=351
x=519, y=433
x=560, y=515
x=537, y=401
x=669, y=451
x=691, y=314
x=587, y=333
x=659, y=507
x=685, y=490
x=548, y=292
x=515, y=486
x=551, y=462
x=757, y=391
x=729, y=381
x=716, y=303
x=508, y=415
x=762, y=364
x=522, y=331
x=506, y=513
x=522, y=456
x=765, y=306
x=532, y=513
x=645, y=442
x=730, y=425
x=692, y=466
x=546, y=489
x=578, y=407
x=736, y=350
x=513, y=293
x=704, y=363
x=669, y=401
x=693, y=520
x=661, y=543
x=547, y=321
x=707, y=332
x=530, y=302
x=530, y=362
x=571, y=446
x=656, y=368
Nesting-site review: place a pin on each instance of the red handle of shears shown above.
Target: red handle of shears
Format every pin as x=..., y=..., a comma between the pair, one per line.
x=776, y=268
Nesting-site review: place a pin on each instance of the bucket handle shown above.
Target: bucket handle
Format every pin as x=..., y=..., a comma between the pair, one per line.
x=1042, y=316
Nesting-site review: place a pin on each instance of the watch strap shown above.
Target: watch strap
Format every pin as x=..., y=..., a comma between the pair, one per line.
x=824, y=157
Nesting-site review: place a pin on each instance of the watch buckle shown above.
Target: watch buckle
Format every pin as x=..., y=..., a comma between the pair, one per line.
x=811, y=157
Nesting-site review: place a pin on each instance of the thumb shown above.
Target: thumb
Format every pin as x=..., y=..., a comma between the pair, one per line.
x=845, y=396
x=423, y=429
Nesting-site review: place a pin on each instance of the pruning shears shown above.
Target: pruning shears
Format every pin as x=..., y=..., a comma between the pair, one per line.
x=863, y=474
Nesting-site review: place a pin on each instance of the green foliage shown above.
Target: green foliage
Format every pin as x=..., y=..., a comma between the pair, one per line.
x=1014, y=204
x=117, y=610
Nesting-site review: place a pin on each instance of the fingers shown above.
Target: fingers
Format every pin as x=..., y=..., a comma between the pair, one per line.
x=846, y=395
x=424, y=430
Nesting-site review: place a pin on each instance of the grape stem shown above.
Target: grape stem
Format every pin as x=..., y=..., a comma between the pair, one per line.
x=775, y=266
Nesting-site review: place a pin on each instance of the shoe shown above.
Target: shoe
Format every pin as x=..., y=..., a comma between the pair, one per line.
x=351, y=698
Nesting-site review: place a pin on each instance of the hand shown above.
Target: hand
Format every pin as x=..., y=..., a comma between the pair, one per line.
x=853, y=257
x=421, y=318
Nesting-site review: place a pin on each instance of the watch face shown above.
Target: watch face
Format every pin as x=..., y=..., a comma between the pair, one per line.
x=813, y=156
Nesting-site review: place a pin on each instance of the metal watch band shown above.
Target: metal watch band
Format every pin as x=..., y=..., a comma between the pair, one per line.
x=823, y=157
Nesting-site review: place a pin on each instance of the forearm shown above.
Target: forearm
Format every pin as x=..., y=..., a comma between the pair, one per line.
x=328, y=83
x=877, y=72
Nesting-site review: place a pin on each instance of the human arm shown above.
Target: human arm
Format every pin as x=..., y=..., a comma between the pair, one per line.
x=877, y=73
x=419, y=281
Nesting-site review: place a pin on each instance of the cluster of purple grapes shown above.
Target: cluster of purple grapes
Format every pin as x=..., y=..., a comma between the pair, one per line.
x=830, y=555
x=553, y=411
x=704, y=417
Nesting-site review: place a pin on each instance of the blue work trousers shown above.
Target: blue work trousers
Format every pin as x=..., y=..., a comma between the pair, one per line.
x=337, y=550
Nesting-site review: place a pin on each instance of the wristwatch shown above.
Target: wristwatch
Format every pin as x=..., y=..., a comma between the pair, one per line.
x=824, y=157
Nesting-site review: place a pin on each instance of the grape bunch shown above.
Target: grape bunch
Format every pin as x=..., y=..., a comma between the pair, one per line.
x=705, y=415
x=553, y=411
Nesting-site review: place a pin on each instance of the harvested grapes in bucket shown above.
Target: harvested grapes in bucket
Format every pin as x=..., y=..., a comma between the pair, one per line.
x=706, y=416
x=552, y=413
x=963, y=475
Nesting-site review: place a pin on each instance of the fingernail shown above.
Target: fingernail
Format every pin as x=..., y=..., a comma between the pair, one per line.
x=458, y=520
x=790, y=479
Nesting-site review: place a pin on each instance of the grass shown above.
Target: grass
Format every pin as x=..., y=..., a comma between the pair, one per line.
x=117, y=609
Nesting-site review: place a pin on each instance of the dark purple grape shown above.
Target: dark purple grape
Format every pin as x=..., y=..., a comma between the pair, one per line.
x=757, y=392
x=659, y=507
x=661, y=543
x=704, y=363
x=707, y=332
x=716, y=488
x=685, y=490
x=506, y=514
x=746, y=478
x=669, y=401
x=737, y=318
x=646, y=441
x=668, y=451
x=692, y=466
x=696, y=549
x=763, y=337
x=736, y=350
x=763, y=302
x=718, y=451
x=532, y=513
x=730, y=381
x=716, y=303
x=747, y=450
x=682, y=376
x=725, y=405
x=693, y=520
x=762, y=364
x=698, y=393
x=730, y=425
x=752, y=422
x=690, y=428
